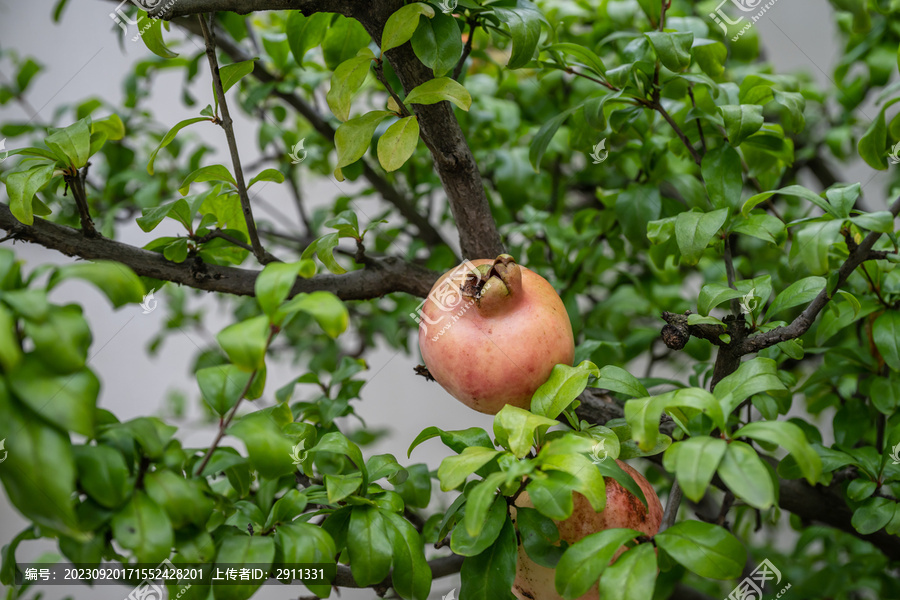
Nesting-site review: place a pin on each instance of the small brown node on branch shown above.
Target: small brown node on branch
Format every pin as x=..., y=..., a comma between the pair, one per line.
x=675, y=333
x=423, y=371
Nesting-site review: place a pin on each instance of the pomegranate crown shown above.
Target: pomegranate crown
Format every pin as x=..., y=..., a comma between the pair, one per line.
x=494, y=286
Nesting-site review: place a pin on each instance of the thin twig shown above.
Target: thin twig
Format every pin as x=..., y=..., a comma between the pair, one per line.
x=261, y=255
x=223, y=425
x=467, y=49
x=379, y=74
x=684, y=139
x=75, y=181
x=218, y=233
x=729, y=273
x=699, y=123
x=671, y=506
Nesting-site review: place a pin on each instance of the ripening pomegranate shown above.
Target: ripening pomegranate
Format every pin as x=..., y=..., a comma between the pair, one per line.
x=623, y=509
x=491, y=332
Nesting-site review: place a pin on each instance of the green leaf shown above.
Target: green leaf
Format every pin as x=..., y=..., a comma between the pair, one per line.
x=790, y=437
x=336, y=443
x=539, y=536
x=586, y=56
x=751, y=377
x=516, y=428
x=398, y=143
x=411, y=576
x=231, y=74
x=353, y=137
x=791, y=190
x=583, y=562
x=268, y=448
x=38, y=474
x=273, y=175
x=438, y=90
x=239, y=549
x=721, y=170
x=590, y=482
x=246, y=342
x=221, y=386
x=886, y=333
x=741, y=121
x=103, y=474
x=8, y=554
x=368, y=546
x=323, y=247
x=843, y=197
x=274, y=283
x=561, y=388
x=881, y=221
x=327, y=309
x=701, y=320
x=710, y=56
x=305, y=33
x=706, y=549
x=643, y=414
x=694, y=231
x=490, y=575
x=10, y=347
x=673, y=49
x=542, y=138
x=182, y=499
x=454, y=470
x=489, y=524
x=144, y=528
x=694, y=461
x=61, y=340
x=872, y=516
x=170, y=136
x=744, y=473
x=344, y=38
x=552, y=495
x=22, y=187
x=799, y=292
x=72, y=144
x=455, y=440
x=346, y=81
x=885, y=394
x=401, y=25
x=714, y=294
x=524, y=24
x=302, y=543
x=207, y=173
x=762, y=226
x=632, y=576
x=67, y=401
x=635, y=207
x=152, y=36
x=438, y=44
x=341, y=486
x=617, y=379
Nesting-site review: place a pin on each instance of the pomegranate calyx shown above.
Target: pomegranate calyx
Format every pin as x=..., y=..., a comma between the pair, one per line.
x=492, y=286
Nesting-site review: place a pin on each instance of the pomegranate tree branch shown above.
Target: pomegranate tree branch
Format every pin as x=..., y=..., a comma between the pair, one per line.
x=389, y=192
x=75, y=182
x=185, y=8
x=261, y=255
x=804, y=320
x=382, y=276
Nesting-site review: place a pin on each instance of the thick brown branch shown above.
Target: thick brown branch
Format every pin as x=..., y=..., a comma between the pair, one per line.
x=804, y=321
x=385, y=276
x=440, y=567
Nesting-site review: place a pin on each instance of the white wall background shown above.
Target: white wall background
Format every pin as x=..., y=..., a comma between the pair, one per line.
x=83, y=57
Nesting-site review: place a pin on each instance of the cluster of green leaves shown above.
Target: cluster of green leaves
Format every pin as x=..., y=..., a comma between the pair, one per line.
x=551, y=466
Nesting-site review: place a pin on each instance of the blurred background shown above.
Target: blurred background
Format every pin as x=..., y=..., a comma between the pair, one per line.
x=85, y=55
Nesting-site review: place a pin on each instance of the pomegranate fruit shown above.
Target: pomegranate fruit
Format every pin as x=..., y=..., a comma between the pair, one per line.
x=491, y=332
x=623, y=509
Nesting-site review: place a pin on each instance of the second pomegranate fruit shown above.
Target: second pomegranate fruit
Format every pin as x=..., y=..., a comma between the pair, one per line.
x=491, y=333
